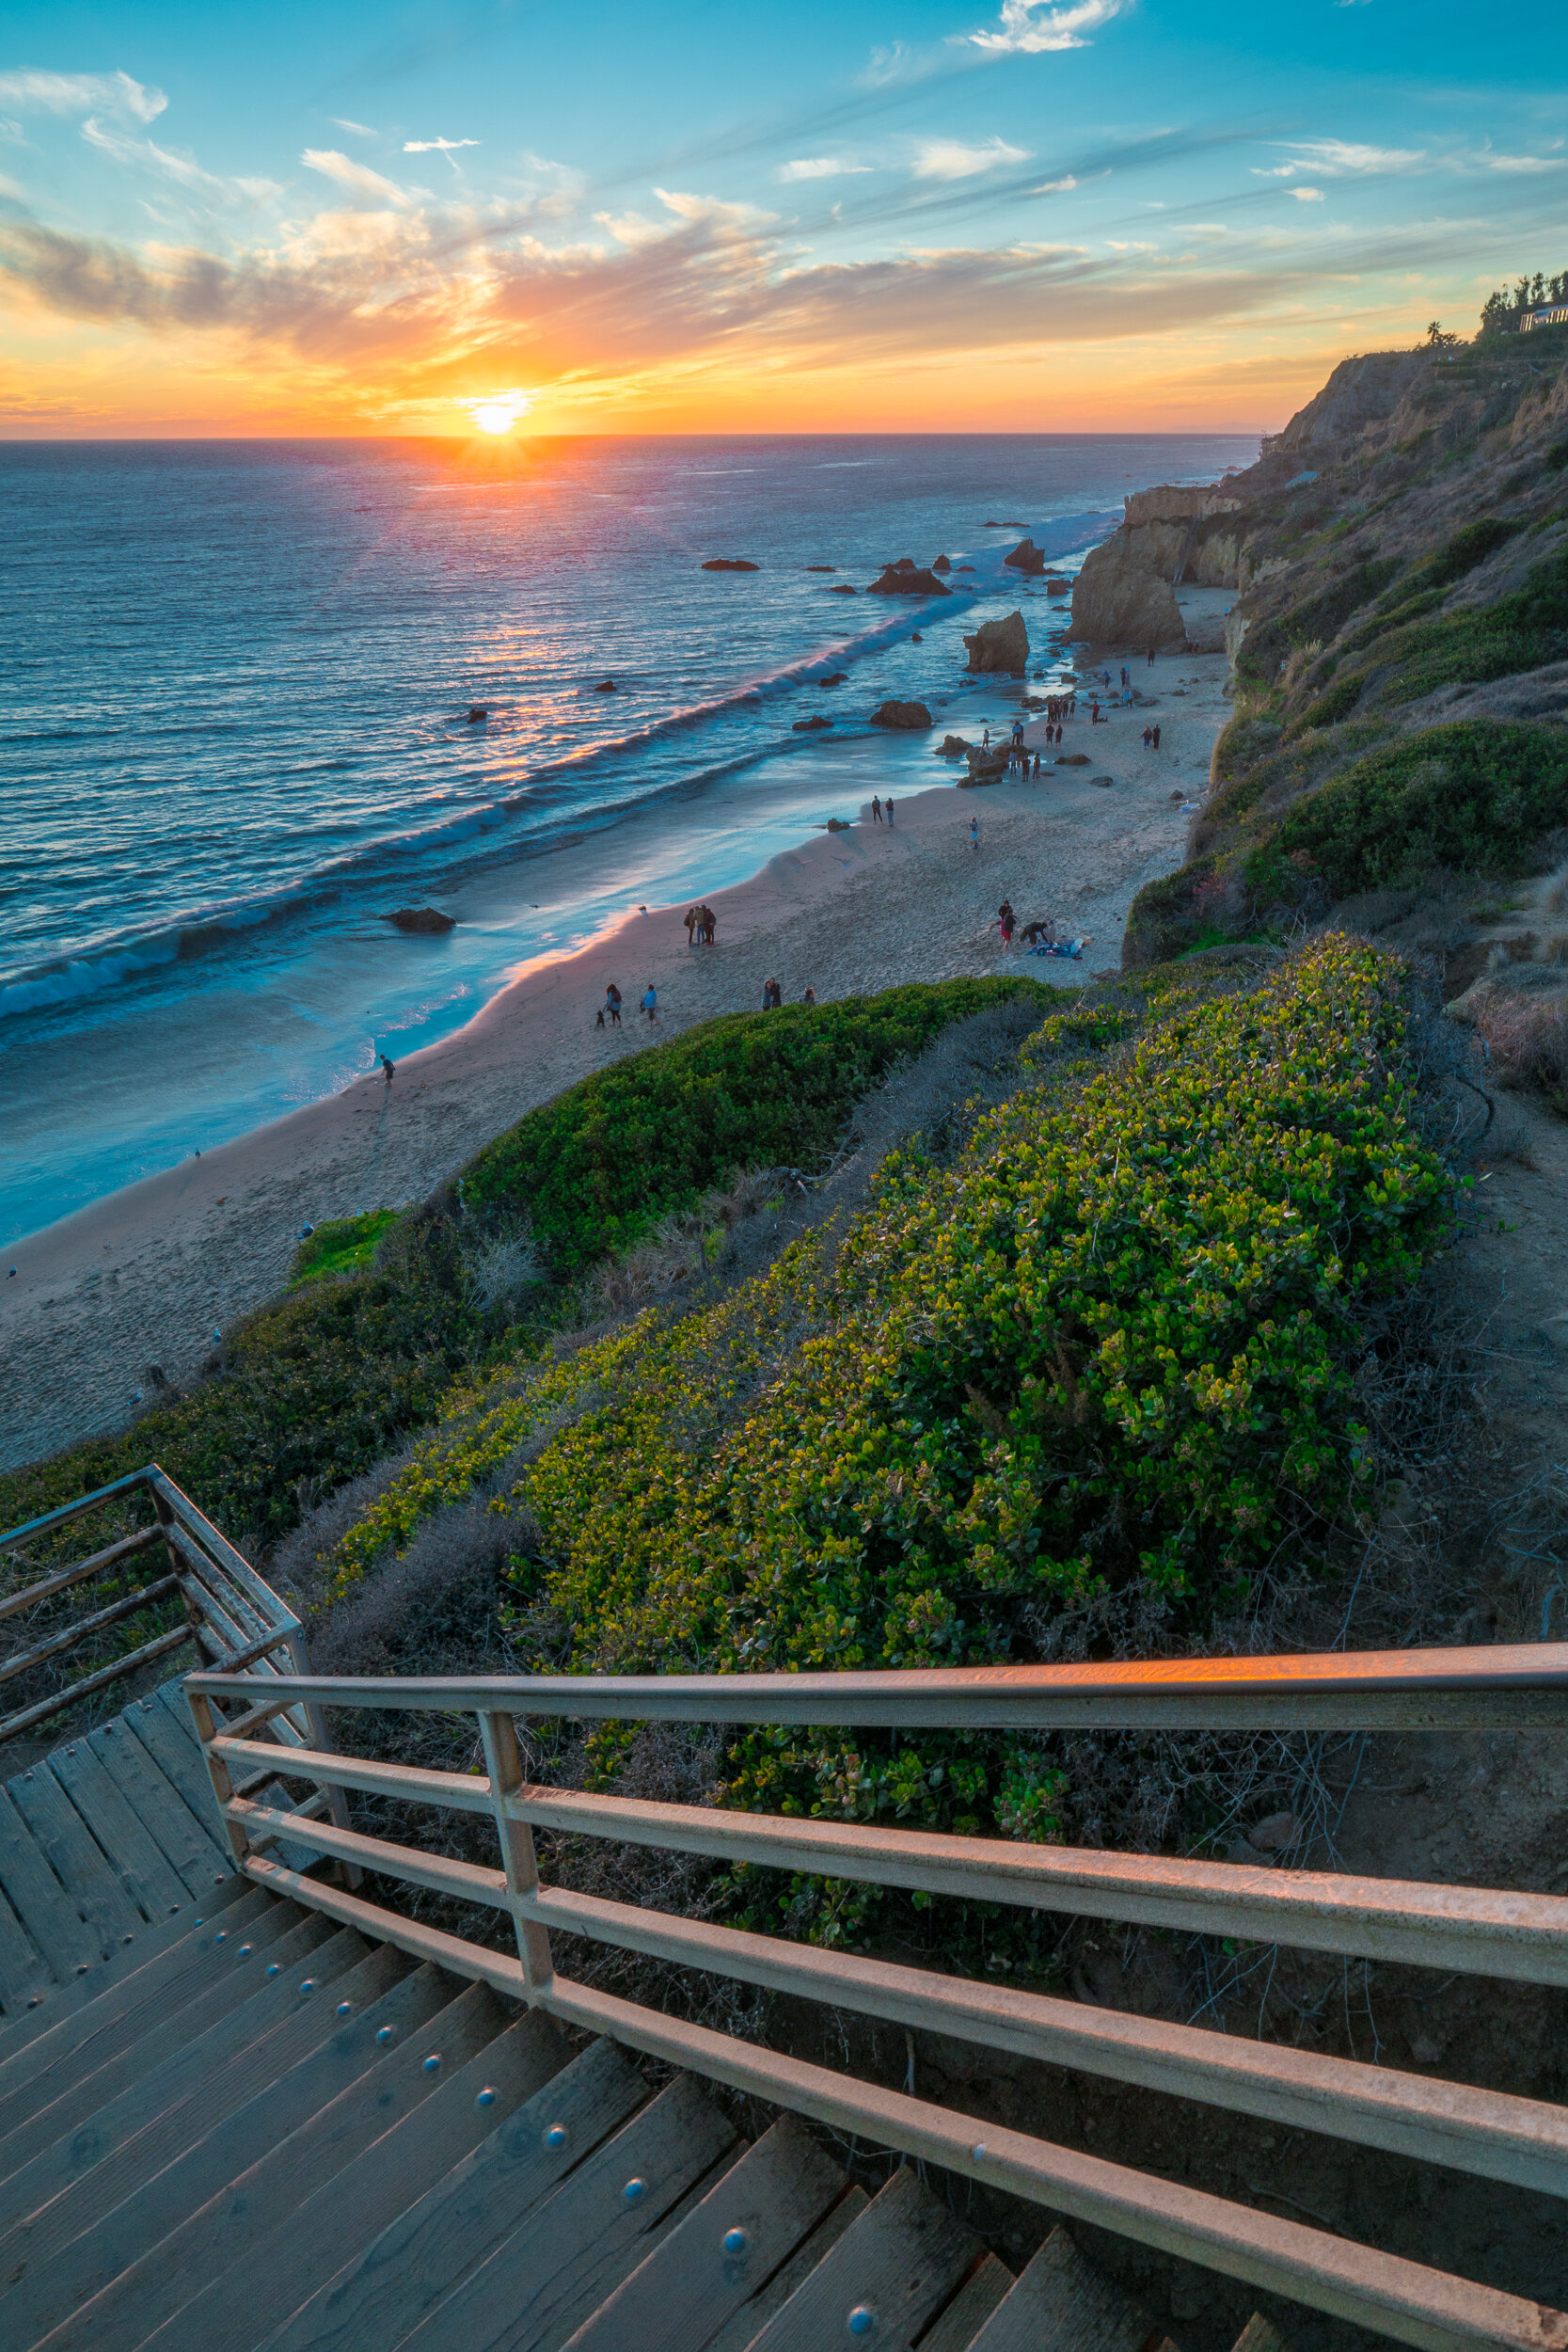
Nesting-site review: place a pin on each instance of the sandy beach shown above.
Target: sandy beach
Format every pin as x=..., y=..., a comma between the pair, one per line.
x=149, y=1274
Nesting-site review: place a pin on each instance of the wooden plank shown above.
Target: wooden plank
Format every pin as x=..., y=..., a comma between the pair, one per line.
x=727, y=2248
x=111, y=2046
x=1500, y=1687
x=94, y=1565
x=558, y=2263
x=257, y=2283
x=232, y=1561
x=26, y=1976
x=75, y=1857
x=82, y=1629
x=421, y=2255
x=88, y=2281
x=161, y=1969
x=1258, y=2335
x=152, y=1883
x=743, y=2328
x=63, y=1513
x=19, y=2032
x=180, y=1835
x=467, y=1792
x=972, y=2305
x=41, y=1903
x=899, y=2262
x=177, y=1757
x=131, y=2140
x=238, y=2004
x=1064, y=2301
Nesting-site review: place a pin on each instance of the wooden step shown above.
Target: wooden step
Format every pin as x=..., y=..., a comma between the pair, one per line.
x=26, y=1976
x=149, y=1877
x=166, y=2291
x=76, y=1858
x=1062, y=2301
x=740, y=2331
x=724, y=2253
x=280, y=2268
x=125, y=2014
x=157, y=2115
x=60, y=2001
x=55, y=2278
x=79, y=2084
x=900, y=2261
x=181, y=1836
x=957, y=2325
x=168, y=1735
x=552, y=2269
x=51, y=1919
x=421, y=2255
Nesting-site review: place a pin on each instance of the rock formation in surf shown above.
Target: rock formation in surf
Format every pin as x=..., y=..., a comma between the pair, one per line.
x=906, y=578
x=421, y=920
x=909, y=715
x=1000, y=645
x=1026, y=557
x=730, y=563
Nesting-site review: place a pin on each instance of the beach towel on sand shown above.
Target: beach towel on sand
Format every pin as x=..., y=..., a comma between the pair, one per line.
x=1073, y=947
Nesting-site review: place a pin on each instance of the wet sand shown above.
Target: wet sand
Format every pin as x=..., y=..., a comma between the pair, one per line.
x=146, y=1276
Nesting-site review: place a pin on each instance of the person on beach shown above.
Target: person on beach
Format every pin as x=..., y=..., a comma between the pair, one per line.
x=975, y=833
x=984, y=740
x=876, y=808
x=693, y=927
x=890, y=808
x=1005, y=921
x=1152, y=656
x=388, y=1067
x=773, y=996
x=1094, y=712
x=650, y=1002
x=810, y=996
x=611, y=1006
x=1156, y=738
x=1149, y=737
x=1041, y=933
x=1037, y=767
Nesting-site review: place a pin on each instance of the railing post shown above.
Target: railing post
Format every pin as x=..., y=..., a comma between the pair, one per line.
x=193, y=1614
x=315, y=1717
x=207, y=1728
x=505, y=1767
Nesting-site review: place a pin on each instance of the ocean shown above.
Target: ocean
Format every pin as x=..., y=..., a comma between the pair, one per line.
x=235, y=681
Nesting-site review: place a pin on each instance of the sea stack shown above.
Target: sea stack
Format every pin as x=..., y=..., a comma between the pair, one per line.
x=905, y=578
x=1000, y=646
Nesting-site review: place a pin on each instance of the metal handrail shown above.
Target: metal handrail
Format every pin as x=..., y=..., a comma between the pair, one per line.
x=1526, y=1936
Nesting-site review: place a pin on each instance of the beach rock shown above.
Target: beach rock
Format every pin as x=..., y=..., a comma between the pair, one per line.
x=906, y=578
x=1119, y=598
x=604, y=686
x=841, y=588
x=730, y=563
x=805, y=726
x=909, y=715
x=836, y=824
x=1000, y=645
x=986, y=764
x=1026, y=557
x=953, y=747
x=1072, y=759
x=966, y=567
x=942, y=564
x=421, y=919
x=837, y=678
x=915, y=638
x=821, y=568
x=1102, y=780
x=1057, y=587
x=476, y=712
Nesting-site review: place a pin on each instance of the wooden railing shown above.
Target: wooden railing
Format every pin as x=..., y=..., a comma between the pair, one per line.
x=1493, y=1933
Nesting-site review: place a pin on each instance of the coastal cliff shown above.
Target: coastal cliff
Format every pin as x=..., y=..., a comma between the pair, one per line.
x=1398, y=637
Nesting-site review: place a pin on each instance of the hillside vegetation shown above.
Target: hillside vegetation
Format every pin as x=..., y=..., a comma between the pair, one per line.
x=1400, y=646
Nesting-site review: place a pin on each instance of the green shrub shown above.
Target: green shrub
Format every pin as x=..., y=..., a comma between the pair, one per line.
x=605, y=1161
x=1520, y=631
x=1469, y=546
x=1473, y=795
x=1314, y=619
x=344, y=1245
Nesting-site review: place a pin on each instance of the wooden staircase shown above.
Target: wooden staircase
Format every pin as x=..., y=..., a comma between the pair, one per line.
x=259, y=2130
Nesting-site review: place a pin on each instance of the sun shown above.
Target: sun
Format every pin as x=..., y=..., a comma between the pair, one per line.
x=497, y=412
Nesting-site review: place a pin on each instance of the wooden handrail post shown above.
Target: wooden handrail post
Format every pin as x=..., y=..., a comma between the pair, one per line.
x=207, y=1729
x=315, y=1717
x=505, y=1767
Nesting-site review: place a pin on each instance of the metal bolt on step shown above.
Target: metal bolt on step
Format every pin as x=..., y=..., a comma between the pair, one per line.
x=862, y=2320
x=274, y=1969
x=634, y=2191
x=344, y=2007
x=433, y=2063
x=977, y=2154
x=384, y=2033
x=222, y=1937
x=245, y=1950
x=81, y=1967
x=556, y=2135
x=735, y=2241
x=307, y=1985
x=486, y=2098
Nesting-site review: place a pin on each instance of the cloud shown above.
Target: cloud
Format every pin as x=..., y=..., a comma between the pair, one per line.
x=1341, y=157
x=1524, y=163
x=1029, y=26
x=82, y=94
x=360, y=176
x=1058, y=187
x=950, y=159
x=437, y=147
x=1305, y=196
x=182, y=169
x=818, y=167
x=360, y=130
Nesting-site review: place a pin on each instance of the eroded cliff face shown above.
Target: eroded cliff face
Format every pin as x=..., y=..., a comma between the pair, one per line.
x=1125, y=594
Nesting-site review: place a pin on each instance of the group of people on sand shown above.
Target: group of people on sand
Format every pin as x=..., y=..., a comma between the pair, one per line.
x=609, y=1012
x=1058, y=707
x=773, y=996
x=881, y=809
x=1151, y=739
x=1039, y=936
x=701, y=923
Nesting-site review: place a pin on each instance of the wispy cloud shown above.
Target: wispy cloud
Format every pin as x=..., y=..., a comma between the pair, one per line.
x=1345, y=155
x=82, y=94
x=1029, y=26
x=348, y=174
x=182, y=169
x=437, y=147
x=1305, y=196
x=360, y=130
x=952, y=159
x=1524, y=163
x=1055, y=187
x=818, y=168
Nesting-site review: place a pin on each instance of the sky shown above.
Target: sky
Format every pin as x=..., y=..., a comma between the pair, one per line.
x=841, y=216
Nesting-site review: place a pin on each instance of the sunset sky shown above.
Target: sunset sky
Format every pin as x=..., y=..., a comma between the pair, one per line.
x=880, y=215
